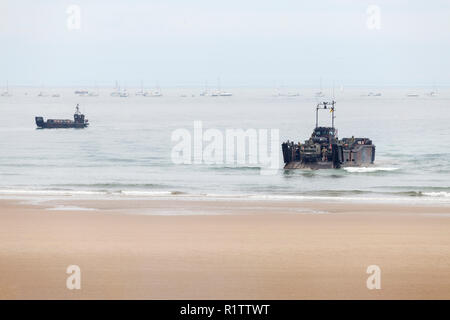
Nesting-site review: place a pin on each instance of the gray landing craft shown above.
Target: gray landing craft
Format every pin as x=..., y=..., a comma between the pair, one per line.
x=324, y=150
x=78, y=121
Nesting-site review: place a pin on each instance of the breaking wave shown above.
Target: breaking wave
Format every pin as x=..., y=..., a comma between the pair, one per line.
x=437, y=194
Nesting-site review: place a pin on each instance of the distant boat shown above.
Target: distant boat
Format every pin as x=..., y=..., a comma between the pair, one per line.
x=433, y=92
x=293, y=94
x=116, y=92
x=120, y=93
x=371, y=94
x=56, y=95
x=205, y=92
x=154, y=93
x=279, y=93
x=320, y=93
x=81, y=93
x=42, y=94
x=276, y=93
x=141, y=92
x=6, y=93
x=219, y=92
x=124, y=94
x=412, y=95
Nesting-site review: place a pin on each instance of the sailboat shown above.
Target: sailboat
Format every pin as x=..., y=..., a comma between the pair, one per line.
x=433, y=92
x=42, y=93
x=219, y=92
x=277, y=93
x=124, y=93
x=205, y=92
x=6, y=93
x=154, y=93
x=116, y=92
x=141, y=92
x=320, y=93
x=82, y=93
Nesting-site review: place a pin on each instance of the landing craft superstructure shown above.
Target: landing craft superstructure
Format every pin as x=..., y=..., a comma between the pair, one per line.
x=324, y=150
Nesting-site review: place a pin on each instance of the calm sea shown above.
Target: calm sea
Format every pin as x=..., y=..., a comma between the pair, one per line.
x=126, y=151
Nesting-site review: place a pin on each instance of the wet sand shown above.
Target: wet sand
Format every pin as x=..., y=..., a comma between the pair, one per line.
x=199, y=249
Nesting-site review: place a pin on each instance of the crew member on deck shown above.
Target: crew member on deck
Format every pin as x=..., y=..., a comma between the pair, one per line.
x=324, y=154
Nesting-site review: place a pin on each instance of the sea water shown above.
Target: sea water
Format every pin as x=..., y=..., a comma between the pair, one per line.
x=126, y=150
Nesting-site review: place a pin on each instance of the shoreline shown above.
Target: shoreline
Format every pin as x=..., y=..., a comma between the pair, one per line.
x=198, y=205
x=228, y=250
x=440, y=199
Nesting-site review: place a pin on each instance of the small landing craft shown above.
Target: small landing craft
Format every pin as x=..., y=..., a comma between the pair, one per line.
x=78, y=121
x=325, y=151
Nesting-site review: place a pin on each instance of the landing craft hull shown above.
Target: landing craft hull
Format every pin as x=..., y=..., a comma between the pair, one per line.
x=322, y=165
x=360, y=156
x=46, y=125
x=309, y=165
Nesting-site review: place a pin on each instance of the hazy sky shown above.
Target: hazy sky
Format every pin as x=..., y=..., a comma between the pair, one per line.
x=251, y=43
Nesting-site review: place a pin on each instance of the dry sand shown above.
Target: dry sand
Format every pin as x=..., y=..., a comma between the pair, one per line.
x=166, y=249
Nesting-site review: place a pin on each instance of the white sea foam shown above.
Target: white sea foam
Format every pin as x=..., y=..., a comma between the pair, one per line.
x=437, y=194
x=443, y=199
x=49, y=192
x=145, y=193
x=427, y=197
x=369, y=169
x=44, y=192
x=71, y=208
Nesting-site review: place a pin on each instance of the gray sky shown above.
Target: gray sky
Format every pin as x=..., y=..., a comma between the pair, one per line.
x=248, y=43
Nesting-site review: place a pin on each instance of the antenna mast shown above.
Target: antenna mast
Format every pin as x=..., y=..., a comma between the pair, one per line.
x=325, y=106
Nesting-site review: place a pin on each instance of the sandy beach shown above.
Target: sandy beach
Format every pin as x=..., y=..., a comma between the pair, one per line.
x=199, y=249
